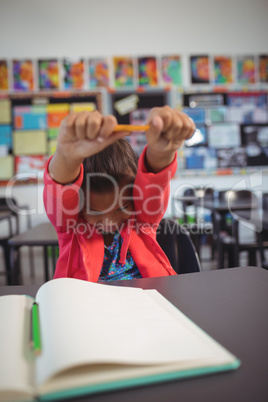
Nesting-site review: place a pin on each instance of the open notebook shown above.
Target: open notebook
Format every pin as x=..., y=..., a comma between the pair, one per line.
x=97, y=337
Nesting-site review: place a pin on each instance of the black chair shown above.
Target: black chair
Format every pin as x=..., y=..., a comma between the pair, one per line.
x=9, y=204
x=262, y=235
x=226, y=229
x=193, y=215
x=178, y=247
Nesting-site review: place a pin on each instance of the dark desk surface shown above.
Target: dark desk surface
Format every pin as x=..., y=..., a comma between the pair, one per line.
x=215, y=203
x=40, y=235
x=231, y=305
x=224, y=206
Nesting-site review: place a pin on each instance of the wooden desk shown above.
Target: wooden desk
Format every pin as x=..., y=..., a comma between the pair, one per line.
x=43, y=235
x=231, y=305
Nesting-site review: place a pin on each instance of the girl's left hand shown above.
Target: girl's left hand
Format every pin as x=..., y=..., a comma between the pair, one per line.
x=168, y=130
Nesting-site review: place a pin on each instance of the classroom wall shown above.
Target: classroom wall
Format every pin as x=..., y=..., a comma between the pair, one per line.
x=83, y=28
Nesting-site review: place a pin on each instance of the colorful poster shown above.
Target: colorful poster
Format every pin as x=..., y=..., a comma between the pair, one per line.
x=49, y=75
x=200, y=71
x=226, y=135
x=171, y=70
x=263, y=68
x=216, y=114
x=196, y=114
x=200, y=158
x=56, y=113
x=123, y=72
x=203, y=99
x=246, y=70
x=30, y=164
x=6, y=167
x=247, y=107
x=23, y=75
x=98, y=73
x=255, y=141
x=223, y=70
x=73, y=75
x=52, y=133
x=6, y=136
x=83, y=107
x=148, y=71
x=30, y=117
x=3, y=75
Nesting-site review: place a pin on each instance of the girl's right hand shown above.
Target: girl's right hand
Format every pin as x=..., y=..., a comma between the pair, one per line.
x=81, y=135
x=85, y=134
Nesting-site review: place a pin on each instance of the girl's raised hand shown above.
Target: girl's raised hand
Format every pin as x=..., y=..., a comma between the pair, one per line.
x=168, y=130
x=81, y=135
x=85, y=134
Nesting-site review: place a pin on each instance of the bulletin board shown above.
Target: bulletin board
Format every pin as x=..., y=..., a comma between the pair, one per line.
x=232, y=132
x=231, y=137
x=29, y=126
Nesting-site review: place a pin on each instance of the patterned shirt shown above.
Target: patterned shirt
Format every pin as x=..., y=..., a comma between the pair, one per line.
x=112, y=269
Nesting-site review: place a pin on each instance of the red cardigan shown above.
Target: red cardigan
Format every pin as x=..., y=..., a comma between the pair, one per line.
x=82, y=248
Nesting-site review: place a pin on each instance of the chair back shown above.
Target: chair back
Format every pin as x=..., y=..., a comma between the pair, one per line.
x=8, y=204
x=265, y=215
x=178, y=247
x=192, y=194
x=238, y=196
x=265, y=202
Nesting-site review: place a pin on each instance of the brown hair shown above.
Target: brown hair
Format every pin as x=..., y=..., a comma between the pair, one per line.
x=117, y=161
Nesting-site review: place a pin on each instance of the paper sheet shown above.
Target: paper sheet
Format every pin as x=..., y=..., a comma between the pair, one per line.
x=6, y=167
x=140, y=323
x=32, y=142
x=5, y=111
x=127, y=104
x=83, y=107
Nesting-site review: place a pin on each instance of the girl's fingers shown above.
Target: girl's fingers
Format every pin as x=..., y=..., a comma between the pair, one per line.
x=94, y=124
x=176, y=130
x=189, y=125
x=182, y=128
x=108, y=125
x=81, y=125
x=156, y=127
x=165, y=113
x=68, y=125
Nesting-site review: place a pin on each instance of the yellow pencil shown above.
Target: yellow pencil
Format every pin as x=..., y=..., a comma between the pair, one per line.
x=131, y=127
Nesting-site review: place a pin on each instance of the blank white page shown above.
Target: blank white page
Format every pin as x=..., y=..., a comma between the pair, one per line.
x=84, y=322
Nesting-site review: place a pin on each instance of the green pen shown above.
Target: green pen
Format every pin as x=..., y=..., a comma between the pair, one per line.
x=36, y=335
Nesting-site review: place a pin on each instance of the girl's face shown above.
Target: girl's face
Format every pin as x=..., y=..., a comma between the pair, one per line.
x=107, y=211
